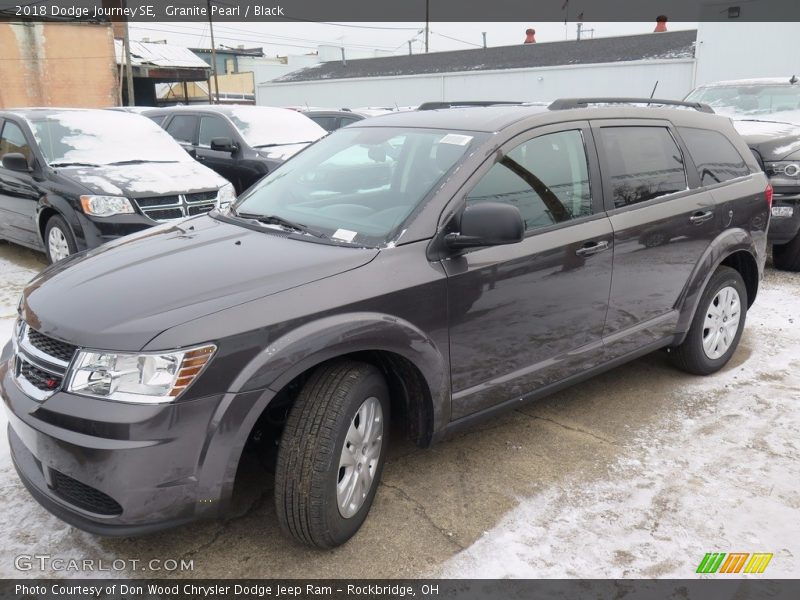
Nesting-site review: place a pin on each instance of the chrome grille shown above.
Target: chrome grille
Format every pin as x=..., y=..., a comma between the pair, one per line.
x=167, y=208
x=41, y=362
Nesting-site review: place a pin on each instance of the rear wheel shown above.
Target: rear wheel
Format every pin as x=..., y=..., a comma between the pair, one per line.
x=58, y=239
x=786, y=257
x=332, y=453
x=717, y=325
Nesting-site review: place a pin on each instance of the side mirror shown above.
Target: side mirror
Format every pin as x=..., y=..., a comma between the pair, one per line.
x=223, y=144
x=15, y=161
x=488, y=224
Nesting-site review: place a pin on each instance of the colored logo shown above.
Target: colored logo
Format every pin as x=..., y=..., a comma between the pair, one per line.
x=735, y=562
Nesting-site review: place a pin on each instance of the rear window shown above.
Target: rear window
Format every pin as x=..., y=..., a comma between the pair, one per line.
x=643, y=162
x=716, y=158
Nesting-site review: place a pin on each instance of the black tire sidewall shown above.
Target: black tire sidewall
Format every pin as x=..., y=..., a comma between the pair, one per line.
x=57, y=221
x=723, y=278
x=339, y=528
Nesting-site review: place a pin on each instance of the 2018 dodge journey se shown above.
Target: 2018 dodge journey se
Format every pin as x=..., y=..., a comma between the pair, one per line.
x=426, y=269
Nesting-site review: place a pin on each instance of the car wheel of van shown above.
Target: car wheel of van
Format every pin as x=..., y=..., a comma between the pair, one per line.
x=786, y=257
x=331, y=453
x=58, y=239
x=717, y=325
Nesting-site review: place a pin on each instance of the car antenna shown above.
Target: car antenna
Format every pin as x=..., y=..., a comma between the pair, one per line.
x=653, y=93
x=793, y=80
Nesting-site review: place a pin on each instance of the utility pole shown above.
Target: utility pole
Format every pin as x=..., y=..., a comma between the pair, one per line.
x=483, y=33
x=126, y=42
x=409, y=47
x=213, y=53
x=427, y=22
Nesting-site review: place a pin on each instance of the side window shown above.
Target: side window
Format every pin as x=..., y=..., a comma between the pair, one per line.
x=213, y=127
x=158, y=119
x=644, y=163
x=182, y=128
x=546, y=178
x=12, y=140
x=716, y=158
x=327, y=123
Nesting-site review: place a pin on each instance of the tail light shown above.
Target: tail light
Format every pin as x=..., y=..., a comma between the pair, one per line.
x=768, y=195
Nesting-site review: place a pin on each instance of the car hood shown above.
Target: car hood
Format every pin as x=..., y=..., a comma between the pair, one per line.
x=123, y=294
x=145, y=179
x=772, y=140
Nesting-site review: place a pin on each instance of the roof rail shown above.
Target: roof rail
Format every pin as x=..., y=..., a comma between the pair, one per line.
x=567, y=103
x=465, y=103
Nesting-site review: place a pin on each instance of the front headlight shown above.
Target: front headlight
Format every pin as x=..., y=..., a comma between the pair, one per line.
x=788, y=168
x=226, y=195
x=106, y=206
x=144, y=378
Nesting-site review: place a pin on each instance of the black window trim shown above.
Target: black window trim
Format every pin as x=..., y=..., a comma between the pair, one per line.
x=457, y=203
x=689, y=168
x=721, y=184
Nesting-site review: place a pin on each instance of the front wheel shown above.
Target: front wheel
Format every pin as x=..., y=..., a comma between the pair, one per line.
x=717, y=325
x=331, y=453
x=58, y=239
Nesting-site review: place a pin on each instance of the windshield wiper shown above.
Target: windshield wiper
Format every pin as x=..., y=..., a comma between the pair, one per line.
x=73, y=164
x=281, y=144
x=139, y=162
x=281, y=222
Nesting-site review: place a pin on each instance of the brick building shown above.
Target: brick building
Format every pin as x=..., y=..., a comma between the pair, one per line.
x=57, y=64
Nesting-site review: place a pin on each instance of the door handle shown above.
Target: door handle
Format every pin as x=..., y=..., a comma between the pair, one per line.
x=701, y=217
x=590, y=248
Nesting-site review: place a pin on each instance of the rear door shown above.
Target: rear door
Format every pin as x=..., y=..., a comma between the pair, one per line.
x=526, y=315
x=19, y=194
x=663, y=222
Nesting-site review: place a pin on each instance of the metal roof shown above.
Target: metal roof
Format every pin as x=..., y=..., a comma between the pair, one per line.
x=160, y=55
x=650, y=46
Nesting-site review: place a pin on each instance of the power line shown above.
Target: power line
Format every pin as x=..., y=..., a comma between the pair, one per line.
x=457, y=40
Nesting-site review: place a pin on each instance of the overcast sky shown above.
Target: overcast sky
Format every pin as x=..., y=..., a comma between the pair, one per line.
x=302, y=38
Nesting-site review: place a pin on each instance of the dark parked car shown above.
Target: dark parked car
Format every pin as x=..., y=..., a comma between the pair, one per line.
x=74, y=179
x=331, y=120
x=495, y=258
x=241, y=143
x=766, y=113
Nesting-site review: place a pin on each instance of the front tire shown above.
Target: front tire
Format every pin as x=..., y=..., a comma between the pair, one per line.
x=332, y=453
x=59, y=242
x=786, y=257
x=717, y=325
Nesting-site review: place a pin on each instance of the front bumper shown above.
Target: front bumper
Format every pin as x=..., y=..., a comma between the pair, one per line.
x=95, y=231
x=112, y=468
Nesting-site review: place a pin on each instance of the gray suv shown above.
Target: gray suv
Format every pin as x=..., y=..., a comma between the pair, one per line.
x=421, y=270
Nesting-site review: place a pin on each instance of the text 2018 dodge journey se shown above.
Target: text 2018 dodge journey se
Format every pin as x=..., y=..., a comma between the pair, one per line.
x=427, y=269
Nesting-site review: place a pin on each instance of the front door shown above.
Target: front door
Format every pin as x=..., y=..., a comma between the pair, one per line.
x=526, y=315
x=19, y=196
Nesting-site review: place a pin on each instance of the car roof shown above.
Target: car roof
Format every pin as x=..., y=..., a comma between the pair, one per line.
x=496, y=118
x=751, y=81
x=316, y=112
x=39, y=112
x=223, y=109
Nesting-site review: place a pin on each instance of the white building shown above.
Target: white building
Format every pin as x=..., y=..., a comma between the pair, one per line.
x=614, y=66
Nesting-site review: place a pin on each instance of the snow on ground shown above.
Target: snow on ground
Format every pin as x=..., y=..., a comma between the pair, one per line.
x=722, y=473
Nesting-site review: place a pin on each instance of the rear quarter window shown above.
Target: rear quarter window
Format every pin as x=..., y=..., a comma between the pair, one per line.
x=716, y=157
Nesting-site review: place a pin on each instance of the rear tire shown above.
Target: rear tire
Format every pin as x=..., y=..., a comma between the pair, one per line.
x=786, y=257
x=332, y=453
x=714, y=336
x=58, y=240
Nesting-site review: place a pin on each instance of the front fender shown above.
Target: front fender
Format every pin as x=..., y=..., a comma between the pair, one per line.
x=323, y=339
x=727, y=243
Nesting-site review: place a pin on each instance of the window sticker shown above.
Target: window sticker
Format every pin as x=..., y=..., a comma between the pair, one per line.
x=456, y=139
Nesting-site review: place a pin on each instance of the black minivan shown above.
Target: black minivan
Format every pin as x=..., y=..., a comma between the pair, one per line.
x=73, y=179
x=425, y=269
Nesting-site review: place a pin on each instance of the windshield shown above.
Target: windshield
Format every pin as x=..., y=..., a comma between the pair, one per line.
x=103, y=137
x=359, y=184
x=752, y=101
x=265, y=126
